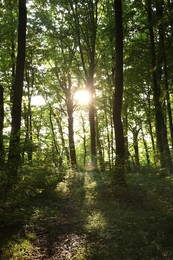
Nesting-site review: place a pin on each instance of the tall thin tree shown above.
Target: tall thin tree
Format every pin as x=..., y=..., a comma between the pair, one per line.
x=119, y=174
x=1, y=126
x=14, y=147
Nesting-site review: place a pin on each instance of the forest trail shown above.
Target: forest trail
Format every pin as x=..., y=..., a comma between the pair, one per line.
x=62, y=235
x=85, y=218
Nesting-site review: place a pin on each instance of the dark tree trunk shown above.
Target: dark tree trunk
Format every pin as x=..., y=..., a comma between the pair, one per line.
x=135, y=133
x=151, y=129
x=92, y=129
x=12, y=67
x=54, y=142
x=108, y=139
x=71, y=135
x=99, y=148
x=161, y=132
x=84, y=140
x=168, y=102
x=14, y=147
x=126, y=141
x=1, y=127
x=146, y=148
x=30, y=84
x=70, y=110
x=64, y=147
x=118, y=95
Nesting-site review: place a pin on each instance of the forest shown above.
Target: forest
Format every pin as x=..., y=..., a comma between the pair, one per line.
x=86, y=129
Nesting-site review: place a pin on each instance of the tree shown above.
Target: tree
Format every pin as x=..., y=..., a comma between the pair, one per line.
x=1, y=126
x=85, y=17
x=14, y=147
x=156, y=63
x=118, y=95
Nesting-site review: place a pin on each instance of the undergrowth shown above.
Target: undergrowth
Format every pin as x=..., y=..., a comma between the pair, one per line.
x=131, y=222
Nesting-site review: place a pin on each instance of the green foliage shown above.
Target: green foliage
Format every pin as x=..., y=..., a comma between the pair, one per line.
x=36, y=185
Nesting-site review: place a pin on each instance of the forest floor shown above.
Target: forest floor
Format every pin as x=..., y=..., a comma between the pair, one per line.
x=85, y=218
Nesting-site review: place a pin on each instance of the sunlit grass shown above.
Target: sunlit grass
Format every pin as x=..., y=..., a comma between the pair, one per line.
x=19, y=249
x=96, y=222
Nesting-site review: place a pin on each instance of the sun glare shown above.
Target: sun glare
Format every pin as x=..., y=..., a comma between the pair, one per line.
x=37, y=101
x=82, y=97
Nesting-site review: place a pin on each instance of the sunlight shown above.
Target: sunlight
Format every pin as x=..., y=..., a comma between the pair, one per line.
x=37, y=101
x=82, y=97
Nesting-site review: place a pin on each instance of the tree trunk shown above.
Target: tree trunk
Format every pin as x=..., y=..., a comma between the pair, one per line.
x=64, y=147
x=118, y=94
x=146, y=148
x=151, y=130
x=1, y=127
x=92, y=130
x=84, y=140
x=126, y=141
x=108, y=140
x=161, y=133
x=70, y=110
x=14, y=147
x=168, y=102
x=135, y=132
x=54, y=142
x=160, y=65
x=99, y=148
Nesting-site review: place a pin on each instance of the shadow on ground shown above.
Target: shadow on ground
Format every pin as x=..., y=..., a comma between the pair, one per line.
x=84, y=217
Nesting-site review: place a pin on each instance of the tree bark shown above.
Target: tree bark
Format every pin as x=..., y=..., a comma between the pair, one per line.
x=70, y=110
x=146, y=147
x=14, y=147
x=118, y=95
x=161, y=132
x=1, y=127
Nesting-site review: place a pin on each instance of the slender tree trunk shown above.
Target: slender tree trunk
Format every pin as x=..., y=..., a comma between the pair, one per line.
x=92, y=128
x=168, y=102
x=126, y=142
x=64, y=147
x=1, y=127
x=151, y=129
x=135, y=132
x=54, y=142
x=70, y=110
x=71, y=135
x=12, y=68
x=84, y=140
x=108, y=139
x=99, y=148
x=161, y=133
x=146, y=148
x=118, y=95
x=14, y=147
x=30, y=84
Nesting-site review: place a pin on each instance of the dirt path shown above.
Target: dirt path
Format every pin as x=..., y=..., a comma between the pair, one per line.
x=61, y=236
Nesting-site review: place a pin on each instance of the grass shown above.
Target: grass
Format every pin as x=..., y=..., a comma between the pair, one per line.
x=88, y=219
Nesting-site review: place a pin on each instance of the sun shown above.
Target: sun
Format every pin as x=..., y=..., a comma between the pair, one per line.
x=82, y=97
